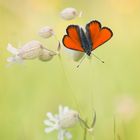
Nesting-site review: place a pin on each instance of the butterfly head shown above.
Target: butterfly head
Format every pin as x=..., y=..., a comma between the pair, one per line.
x=88, y=52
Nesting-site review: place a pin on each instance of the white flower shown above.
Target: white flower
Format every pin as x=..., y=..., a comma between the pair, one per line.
x=46, y=32
x=66, y=118
x=31, y=50
x=70, y=13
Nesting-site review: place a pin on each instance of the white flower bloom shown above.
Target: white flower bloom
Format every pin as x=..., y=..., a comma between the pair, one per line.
x=66, y=118
x=70, y=13
x=76, y=55
x=46, y=32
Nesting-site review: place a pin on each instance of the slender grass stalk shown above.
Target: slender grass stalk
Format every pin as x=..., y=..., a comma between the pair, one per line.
x=67, y=81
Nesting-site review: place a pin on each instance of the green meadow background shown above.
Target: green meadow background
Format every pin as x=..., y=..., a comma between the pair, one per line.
x=30, y=90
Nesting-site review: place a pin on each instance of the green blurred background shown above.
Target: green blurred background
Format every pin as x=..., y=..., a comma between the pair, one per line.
x=30, y=90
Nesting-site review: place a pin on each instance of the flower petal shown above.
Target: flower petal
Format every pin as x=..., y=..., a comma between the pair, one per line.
x=65, y=110
x=51, y=117
x=60, y=109
x=61, y=134
x=48, y=123
x=12, y=49
x=15, y=59
x=49, y=129
x=11, y=59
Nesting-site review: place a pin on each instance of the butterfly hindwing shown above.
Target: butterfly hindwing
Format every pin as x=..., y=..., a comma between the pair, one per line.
x=96, y=34
x=72, y=39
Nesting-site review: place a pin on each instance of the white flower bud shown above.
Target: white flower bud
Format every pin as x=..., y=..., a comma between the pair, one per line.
x=46, y=55
x=46, y=32
x=30, y=50
x=69, y=119
x=76, y=55
x=69, y=13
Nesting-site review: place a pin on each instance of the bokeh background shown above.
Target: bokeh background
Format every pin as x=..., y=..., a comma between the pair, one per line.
x=30, y=90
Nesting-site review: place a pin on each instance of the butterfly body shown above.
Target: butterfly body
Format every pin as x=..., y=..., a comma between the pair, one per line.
x=85, y=43
x=95, y=35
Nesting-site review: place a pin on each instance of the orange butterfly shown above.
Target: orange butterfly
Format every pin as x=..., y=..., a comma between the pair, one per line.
x=95, y=35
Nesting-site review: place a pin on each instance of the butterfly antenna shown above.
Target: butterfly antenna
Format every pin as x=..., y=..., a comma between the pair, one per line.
x=98, y=58
x=81, y=61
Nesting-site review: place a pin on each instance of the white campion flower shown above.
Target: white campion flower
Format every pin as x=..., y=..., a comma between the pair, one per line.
x=65, y=118
x=31, y=50
x=46, y=32
x=70, y=13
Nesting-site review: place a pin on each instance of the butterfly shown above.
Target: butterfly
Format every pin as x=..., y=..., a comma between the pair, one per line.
x=94, y=36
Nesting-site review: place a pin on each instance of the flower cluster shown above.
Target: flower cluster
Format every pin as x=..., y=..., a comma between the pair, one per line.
x=34, y=49
x=66, y=118
x=31, y=50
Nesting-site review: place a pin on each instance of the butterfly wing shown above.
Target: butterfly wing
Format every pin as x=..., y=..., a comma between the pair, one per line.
x=72, y=39
x=96, y=34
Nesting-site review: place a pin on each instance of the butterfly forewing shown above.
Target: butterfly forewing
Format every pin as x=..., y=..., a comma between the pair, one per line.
x=96, y=34
x=72, y=39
